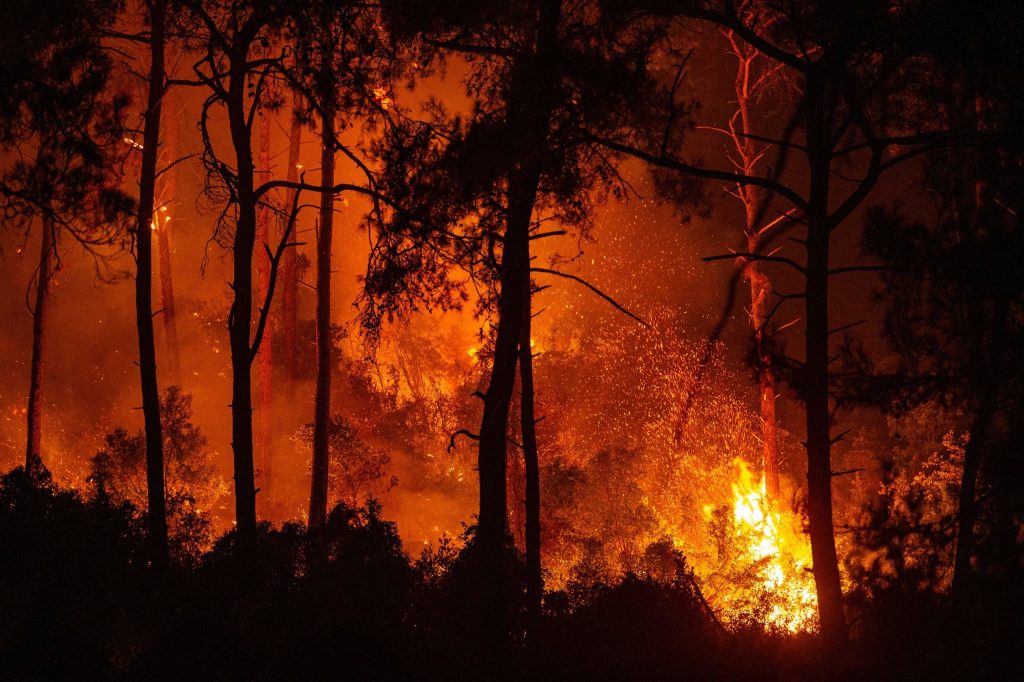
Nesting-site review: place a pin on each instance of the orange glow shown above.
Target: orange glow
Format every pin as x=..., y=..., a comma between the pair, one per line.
x=772, y=545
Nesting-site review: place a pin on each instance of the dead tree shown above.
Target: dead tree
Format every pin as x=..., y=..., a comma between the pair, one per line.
x=839, y=115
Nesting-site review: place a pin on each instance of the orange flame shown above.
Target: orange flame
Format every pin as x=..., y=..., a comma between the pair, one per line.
x=771, y=541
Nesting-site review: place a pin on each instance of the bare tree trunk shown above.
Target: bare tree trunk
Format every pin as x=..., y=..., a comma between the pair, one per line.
x=760, y=285
x=240, y=316
x=760, y=290
x=816, y=373
x=492, y=463
x=157, y=513
x=534, y=576
x=978, y=435
x=988, y=388
x=289, y=273
x=322, y=395
x=47, y=263
x=265, y=356
x=163, y=232
x=529, y=120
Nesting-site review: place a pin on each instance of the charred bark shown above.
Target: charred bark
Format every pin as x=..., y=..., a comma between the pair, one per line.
x=156, y=515
x=760, y=290
x=44, y=277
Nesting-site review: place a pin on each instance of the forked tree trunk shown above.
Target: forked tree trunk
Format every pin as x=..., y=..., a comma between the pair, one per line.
x=528, y=120
x=528, y=427
x=492, y=457
x=265, y=357
x=156, y=514
x=322, y=394
x=289, y=265
x=44, y=277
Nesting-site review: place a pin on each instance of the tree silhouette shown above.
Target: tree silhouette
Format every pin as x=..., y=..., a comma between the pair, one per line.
x=64, y=121
x=846, y=66
x=541, y=72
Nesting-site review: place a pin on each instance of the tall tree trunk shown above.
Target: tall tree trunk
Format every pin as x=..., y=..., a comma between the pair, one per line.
x=157, y=513
x=534, y=576
x=322, y=394
x=529, y=119
x=988, y=385
x=163, y=232
x=240, y=316
x=491, y=461
x=289, y=267
x=760, y=285
x=978, y=435
x=816, y=372
x=760, y=290
x=47, y=263
x=265, y=356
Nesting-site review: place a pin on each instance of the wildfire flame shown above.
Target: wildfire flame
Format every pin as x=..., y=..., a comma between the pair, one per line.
x=771, y=542
x=381, y=95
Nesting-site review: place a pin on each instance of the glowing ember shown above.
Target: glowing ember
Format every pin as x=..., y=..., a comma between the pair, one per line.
x=777, y=553
x=381, y=95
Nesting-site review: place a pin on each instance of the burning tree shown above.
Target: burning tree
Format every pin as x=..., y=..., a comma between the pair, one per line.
x=539, y=72
x=847, y=68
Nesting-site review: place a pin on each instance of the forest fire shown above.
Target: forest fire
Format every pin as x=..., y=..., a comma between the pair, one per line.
x=776, y=551
x=575, y=339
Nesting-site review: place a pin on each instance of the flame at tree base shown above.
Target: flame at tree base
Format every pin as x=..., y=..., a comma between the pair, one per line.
x=764, y=576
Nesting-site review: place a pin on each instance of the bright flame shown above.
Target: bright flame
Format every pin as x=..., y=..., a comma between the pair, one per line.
x=772, y=543
x=381, y=95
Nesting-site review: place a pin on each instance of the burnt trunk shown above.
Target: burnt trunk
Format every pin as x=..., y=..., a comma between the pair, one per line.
x=534, y=577
x=240, y=317
x=760, y=290
x=289, y=266
x=816, y=374
x=322, y=394
x=34, y=436
x=156, y=514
